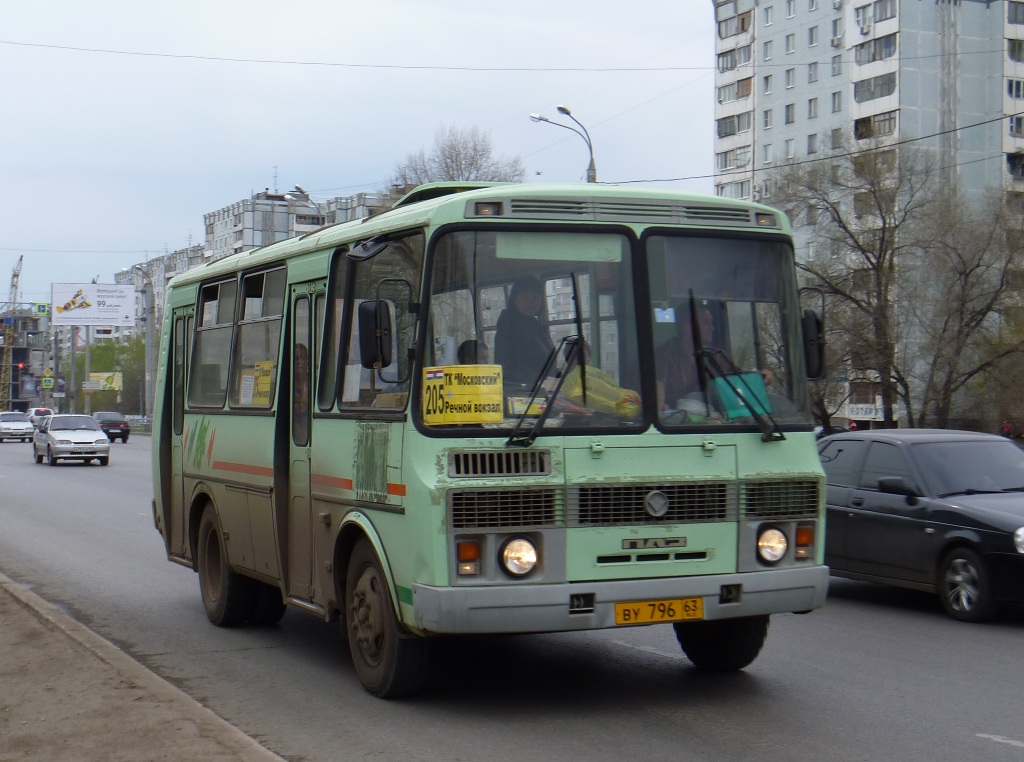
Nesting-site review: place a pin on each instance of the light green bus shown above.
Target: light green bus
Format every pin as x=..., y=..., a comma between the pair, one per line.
x=499, y=408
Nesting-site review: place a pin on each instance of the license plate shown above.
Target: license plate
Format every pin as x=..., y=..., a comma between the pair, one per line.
x=668, y=610
x=83, y=449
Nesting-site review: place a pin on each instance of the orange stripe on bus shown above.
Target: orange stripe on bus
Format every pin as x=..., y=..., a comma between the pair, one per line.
x=243, y=468
x=331, y=481
x=396, y=489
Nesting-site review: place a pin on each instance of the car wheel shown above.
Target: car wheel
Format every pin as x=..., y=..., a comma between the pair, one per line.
x=49, y=457
x=37, y=455
x=965, y=588
x=104, y=461
x=389, y=664
x=124, y=439
x=227, y=596
x=722, y=645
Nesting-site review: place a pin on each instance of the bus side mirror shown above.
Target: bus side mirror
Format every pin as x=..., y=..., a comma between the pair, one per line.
x=375, y=334
x=812, y=326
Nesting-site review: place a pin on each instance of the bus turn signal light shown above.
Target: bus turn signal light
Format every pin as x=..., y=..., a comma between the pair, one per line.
x=468, y=554
x=804, y=542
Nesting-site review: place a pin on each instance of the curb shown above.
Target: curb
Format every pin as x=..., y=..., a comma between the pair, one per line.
x=132, y=670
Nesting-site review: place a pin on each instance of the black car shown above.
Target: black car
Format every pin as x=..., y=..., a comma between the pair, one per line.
x=928, y=509
x=114, y=424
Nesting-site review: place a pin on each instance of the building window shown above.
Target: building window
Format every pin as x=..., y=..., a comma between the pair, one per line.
x=1015, y=87
x=812, y=36
x=812, y=108
x=812, y=215
x=790, y=78
x=790, y=8
x=769, y=14
x=790, y=148
x=885, y=9
x=875, y=126
x=735, y=90
x=1017, y=126
x=734, y=190
x=812, y=143
x=812, y=72
x=768, y=50
x=837, y=27
x=767, y=118
x=790, y=113
x=1015, y=49
x=837, y=101
x=790, y=43
x=875, y=50
x=731, y=125
x=812, y=5
x=734, y=25
x=1015, y=165
x=837, y=137
x=737, y=157
x=1015, y=13
x=767, y=153
x=837, y=65
x=875, y=87
x=862, y=15
x=767, y=84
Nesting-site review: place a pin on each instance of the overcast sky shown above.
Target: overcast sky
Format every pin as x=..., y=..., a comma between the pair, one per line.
x=125, y=121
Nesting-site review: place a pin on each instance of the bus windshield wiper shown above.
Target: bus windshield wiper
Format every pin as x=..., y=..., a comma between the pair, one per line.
x=522, y=438
x=708, y=363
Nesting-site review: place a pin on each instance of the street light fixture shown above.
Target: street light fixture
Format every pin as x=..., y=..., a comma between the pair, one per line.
x=300, y=196
x=564, y=110
x=150, y=370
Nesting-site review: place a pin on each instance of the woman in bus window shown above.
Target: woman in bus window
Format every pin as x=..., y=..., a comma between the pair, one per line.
x=522, y=343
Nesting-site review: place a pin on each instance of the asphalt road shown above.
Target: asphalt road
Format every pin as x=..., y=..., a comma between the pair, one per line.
x=877, y=674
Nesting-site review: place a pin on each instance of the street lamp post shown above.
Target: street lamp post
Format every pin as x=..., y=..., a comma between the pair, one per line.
x=564, y=110
x=300, y=196
x=149, y=297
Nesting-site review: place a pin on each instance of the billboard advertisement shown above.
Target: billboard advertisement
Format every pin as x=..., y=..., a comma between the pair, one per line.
x=92, y=304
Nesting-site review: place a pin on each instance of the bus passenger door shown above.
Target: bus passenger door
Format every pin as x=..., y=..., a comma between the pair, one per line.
x=300, y=520
x=181, y=330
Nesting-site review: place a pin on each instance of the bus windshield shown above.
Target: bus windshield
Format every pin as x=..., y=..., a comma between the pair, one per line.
x=543, y=325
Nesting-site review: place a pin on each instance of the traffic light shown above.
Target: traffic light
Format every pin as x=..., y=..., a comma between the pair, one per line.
x=21, y=366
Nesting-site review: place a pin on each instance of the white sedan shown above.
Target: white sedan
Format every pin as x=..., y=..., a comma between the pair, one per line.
x=15, y=426
x=70, y=437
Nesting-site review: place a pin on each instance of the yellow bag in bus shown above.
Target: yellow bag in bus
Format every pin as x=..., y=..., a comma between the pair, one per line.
x=603, y=394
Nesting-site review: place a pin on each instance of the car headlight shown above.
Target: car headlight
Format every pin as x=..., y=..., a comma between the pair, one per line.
x=63, y=441
x=1018, y=539
x=772, y=545
x=102, y=441
x=518, y=556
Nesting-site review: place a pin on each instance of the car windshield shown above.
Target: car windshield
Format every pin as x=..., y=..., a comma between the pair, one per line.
x=13, y=418
x=957, y=468
x=74, y=423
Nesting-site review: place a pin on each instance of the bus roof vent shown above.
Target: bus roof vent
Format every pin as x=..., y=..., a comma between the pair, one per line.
x=499, y=463
x=620, y=210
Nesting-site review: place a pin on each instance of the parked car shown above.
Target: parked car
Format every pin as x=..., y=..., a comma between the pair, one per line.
x=15, y=425
x=37, y=414
x=115, y=424
x=927, y=509
x=70, y=437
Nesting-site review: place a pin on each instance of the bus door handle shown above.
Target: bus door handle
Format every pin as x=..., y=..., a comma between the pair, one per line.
x=857, y=502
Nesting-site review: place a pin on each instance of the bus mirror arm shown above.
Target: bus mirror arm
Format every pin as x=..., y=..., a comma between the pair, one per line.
x=812, y=326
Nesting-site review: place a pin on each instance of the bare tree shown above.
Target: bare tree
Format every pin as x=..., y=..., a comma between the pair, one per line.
x=459, y=154
x=916, y=275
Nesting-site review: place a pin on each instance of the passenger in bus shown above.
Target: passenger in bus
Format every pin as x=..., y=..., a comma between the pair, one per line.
x=675, y=362
x=522, y=343
x=472, y=352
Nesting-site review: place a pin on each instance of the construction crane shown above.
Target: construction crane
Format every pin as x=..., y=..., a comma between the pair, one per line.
x=9, y=335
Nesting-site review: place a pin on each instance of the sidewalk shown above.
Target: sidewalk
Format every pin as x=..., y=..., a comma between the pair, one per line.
x=68, y=694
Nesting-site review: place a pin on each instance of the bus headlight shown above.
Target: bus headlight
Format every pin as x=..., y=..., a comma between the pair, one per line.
x=1018, y=539
x=518, y=557
x=772, y=545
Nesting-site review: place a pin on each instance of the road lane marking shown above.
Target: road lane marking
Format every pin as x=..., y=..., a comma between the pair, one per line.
x=1001, y=739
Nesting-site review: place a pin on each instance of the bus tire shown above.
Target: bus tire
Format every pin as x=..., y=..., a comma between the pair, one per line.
x=722, y=645
x=227, y=596
x=267, y=605
x=388, y=662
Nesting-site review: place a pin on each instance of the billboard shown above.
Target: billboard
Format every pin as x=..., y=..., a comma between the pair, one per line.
x=92, y=304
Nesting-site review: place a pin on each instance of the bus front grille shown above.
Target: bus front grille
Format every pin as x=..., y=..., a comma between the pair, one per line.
x=472, y=509
x=652, y=504
x=781, y=499
x=500, y=463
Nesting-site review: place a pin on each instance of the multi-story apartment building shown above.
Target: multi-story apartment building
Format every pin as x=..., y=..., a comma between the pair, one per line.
x=801, y=80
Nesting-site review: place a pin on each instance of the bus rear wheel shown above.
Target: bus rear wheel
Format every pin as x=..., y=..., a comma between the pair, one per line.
x=389, y=662
x=227, y=596
x=722, y=645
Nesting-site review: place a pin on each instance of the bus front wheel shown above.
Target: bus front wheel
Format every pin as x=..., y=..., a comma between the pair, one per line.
x=389, y=662
x=227, y=596
x=722, y=645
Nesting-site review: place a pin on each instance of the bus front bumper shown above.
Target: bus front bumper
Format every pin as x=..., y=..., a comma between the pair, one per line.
x=591, y=605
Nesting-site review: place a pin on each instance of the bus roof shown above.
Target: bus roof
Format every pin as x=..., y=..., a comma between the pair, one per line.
x=443, y=203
